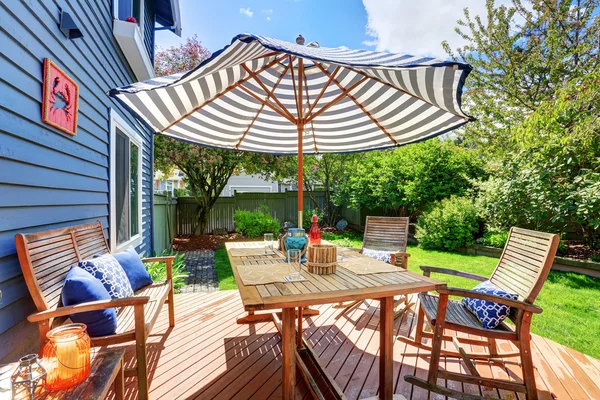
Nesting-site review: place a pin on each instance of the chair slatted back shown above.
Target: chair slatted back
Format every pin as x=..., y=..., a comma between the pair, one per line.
x=386, y=233
x=525, y=263
x=47, y=256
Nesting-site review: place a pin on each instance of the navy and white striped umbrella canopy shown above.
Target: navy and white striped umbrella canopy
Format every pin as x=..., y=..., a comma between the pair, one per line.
x=258, y=94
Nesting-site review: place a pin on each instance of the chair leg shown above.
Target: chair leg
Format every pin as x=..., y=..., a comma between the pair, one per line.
x=171, y=307
x=420, y=325
x=438, y=338
x=44, y=328
x=526, y=357
x=348, y=308
x=141, y=354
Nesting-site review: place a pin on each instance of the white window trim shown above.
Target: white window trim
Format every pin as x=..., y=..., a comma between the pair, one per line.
x=117, y=121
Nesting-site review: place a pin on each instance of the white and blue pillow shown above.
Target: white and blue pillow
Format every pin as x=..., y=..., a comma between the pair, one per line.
x=107, y=270
x=489, y=313
x=381, y=255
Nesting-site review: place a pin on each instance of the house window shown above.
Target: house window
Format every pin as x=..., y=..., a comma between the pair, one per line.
x=170, y=186
x=128, y=8
x=126, y=184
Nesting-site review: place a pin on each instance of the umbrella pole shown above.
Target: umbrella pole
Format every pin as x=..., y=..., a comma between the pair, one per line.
x=300, y=177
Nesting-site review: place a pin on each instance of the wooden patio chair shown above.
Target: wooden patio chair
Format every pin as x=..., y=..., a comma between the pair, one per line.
x=388, y=234
x=523, y=268
x=45, y=259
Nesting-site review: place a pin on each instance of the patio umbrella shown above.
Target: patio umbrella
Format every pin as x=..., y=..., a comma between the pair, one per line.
x=266, y=95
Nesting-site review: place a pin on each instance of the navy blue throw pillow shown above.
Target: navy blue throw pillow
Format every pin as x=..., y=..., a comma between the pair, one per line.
x=134, y=268
x=489, y=313
x=81, y=287
x=107, y=270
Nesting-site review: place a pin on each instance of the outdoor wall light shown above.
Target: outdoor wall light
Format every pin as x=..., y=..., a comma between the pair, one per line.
x=68, y=26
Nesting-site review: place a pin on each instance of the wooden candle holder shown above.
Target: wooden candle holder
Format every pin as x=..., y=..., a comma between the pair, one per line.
x=322, y=259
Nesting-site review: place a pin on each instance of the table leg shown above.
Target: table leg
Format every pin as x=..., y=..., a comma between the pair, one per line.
x=300, y=316
x=120, y=382
x=386, y=350
x=288, y=350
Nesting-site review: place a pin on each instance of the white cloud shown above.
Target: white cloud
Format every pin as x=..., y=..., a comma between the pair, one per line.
x=269, y=11
x=268, y=18
x=417, y=27
x=247, y=12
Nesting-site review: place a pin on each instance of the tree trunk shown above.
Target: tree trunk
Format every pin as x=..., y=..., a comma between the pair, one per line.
x=201, y=220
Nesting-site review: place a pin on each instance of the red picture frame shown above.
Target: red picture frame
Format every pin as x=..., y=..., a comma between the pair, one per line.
x=60, y=101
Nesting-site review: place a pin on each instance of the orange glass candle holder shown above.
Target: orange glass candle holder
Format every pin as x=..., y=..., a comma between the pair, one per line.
x=67, y=356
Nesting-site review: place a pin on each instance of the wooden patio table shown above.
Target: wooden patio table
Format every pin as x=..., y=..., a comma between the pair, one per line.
x=344, y=285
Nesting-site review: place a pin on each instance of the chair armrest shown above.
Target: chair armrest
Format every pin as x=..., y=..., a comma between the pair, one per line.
x=89, y=306
x=158, y=259
x=400, y=254
x=428, y=270
x=166, y=259
x=521, y=305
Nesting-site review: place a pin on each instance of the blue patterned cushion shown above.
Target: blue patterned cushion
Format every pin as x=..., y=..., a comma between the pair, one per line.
x=107, y=270
x=490, y=313
x=381, y=255
x=81, y=287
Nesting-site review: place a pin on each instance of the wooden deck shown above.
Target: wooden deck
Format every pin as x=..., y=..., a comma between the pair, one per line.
x=208, y=356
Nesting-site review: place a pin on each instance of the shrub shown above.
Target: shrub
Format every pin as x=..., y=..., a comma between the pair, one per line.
x=448, y=225
x=596, y=257
x=255, y=223
x=158, y=270
x=494, y=239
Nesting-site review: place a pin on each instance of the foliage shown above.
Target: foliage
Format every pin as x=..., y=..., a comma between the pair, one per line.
x=180, y=58
x=448, y=225
x=571, y=302
x=551, y=180
x=225, y=278
x=158, y=270
x=596, y=258
x=307, y=218
x=255, y=223
x=409, y=178
x=494, y=239
x=181, y=192
x=521, y=56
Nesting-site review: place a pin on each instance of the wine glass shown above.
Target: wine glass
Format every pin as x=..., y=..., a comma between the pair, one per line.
x=294, y=260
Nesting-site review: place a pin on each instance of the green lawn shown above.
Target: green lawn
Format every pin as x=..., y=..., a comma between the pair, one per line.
x=571, y=302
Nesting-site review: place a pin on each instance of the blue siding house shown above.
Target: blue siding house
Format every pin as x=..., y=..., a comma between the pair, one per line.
x=49, y=179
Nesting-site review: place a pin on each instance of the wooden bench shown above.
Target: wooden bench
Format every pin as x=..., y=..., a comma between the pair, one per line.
x=45, y=259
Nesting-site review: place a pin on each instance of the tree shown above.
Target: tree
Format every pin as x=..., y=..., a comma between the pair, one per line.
x=207, y=170
x=521, y=56
x=407, y=179
x=552, y=178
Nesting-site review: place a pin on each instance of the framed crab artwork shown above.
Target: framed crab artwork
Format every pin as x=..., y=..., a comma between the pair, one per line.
x=60, y=99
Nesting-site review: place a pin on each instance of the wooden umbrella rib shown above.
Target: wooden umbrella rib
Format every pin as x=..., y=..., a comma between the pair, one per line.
x=336, y=100
x=312, y=126
x=267, y=103
x=294, y=86
x=398, y=89
x=367, y=113
x=266, y=89
x=230, y=88
x=323, y=91
x=261, y=108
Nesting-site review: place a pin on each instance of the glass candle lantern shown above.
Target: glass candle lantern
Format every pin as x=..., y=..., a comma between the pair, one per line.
x=268, y=238
x=67, y=356
x=28, y=382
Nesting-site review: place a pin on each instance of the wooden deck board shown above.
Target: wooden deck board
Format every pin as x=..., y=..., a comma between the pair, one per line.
x=207, y=355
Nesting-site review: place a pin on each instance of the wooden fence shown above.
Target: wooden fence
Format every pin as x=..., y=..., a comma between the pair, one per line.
x=282, y=206
x=165, y=208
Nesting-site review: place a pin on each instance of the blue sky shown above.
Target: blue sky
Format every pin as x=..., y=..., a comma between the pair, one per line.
x=332, y=23
x=403, y=26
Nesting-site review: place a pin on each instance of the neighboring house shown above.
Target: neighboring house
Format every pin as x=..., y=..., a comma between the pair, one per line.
x=169, y=184
x=49, y=179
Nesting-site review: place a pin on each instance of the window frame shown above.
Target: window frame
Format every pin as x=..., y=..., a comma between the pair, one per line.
x=116, y=121
x=142, y=5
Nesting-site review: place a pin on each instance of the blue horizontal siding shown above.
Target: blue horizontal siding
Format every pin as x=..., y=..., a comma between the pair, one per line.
x=49, y=179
